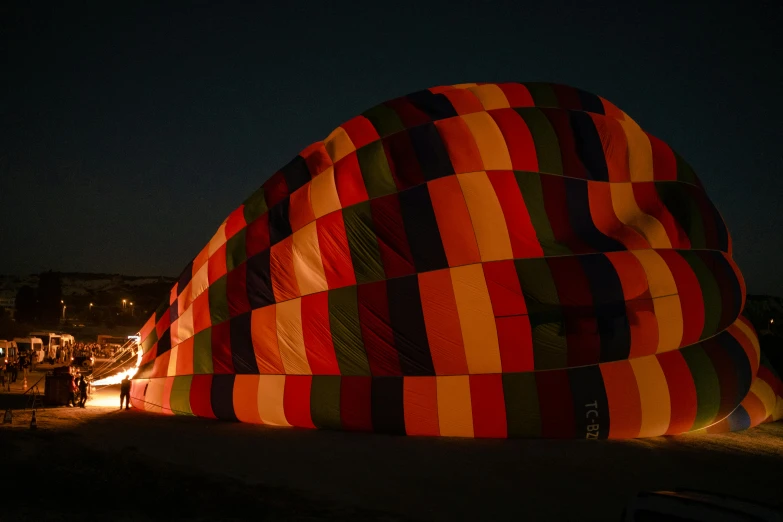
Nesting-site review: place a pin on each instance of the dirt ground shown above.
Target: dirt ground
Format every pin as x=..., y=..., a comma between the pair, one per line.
x=140, y=466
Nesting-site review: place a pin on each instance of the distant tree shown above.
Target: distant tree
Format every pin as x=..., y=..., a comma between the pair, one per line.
x=49, y=296
x=26, y=305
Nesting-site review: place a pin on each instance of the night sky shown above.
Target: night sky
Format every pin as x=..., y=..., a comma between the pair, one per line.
x=128, y=135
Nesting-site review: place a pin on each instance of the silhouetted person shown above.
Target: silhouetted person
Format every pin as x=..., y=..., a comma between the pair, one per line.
x=72, y=389
x=125, y=387
x=82, y=391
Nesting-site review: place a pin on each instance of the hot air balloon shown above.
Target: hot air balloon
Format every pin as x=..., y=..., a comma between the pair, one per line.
x=476, y=260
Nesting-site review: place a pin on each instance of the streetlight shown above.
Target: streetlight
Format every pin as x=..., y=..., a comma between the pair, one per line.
x=123, y=303
x=131, y=305
x=90, y=307
x=63, y=312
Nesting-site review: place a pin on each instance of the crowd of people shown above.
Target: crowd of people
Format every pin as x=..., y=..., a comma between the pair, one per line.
x=11, y=369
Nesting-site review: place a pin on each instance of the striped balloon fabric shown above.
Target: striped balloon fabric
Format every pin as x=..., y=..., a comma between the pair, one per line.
x=479, y=260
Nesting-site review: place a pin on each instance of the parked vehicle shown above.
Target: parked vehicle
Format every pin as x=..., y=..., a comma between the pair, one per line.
x=33, y=346
x=9, y=352
x=51, y=341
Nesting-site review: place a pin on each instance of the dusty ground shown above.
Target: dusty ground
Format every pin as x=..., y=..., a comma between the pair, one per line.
x=198, y=469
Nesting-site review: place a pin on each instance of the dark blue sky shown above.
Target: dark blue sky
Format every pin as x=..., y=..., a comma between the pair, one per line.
x=128, y=135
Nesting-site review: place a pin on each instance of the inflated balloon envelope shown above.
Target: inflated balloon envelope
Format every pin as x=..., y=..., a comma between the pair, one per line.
x=479, y=260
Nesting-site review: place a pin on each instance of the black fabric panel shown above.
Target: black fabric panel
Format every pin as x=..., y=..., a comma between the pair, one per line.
x=259, y=281
x=591, y=408
x=296, y=173
x=591, y=102
x=422, y=230
x=164, y=343
x=436, y=106
x=740, y=363
x=242, y=354
x=185, y=278
x=407, y=319
x=432, y=154
x=163, y=308
x=609, y=302
x=578, y=204
x=588, y=145
x=279, y=225
x=730, y=291
x=173, y=312
x=222, y=397
x=388, y=414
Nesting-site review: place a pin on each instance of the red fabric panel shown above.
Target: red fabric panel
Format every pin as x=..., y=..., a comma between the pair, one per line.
x=317, y=158
x=463, y=101
x=201, y=317
x=391, y=235
x=300, y=211
x=281, y=263
x=647, y=198
x=442, y=321
x=407, y=112
x=504, y=290
x=555, y=404
x=554, y=191
x=517, y=95
x=161, y=365
x=163, y=324
x=664, y=162
x=690, y=294
x=201, y=396
x=519, y=140
x=682, y=391
x=377, y=330
x=349, y=181
x=402, y=160
x=524, y=242
x=356, y=403
x=275, y=189
x=235, y=222
x=420, y=404
x=460, y=144
x=221, y=348
x=296, y=400
x=150, y=355
x=567, y=97
x=515, y=339
x=335, y=253
x=236, y=291
x=217, y=264
x=361, y=131
x=166, y=399
x=317, y=335
x=257, y=235
x=572, y=165
x=488, y=405
x=576, y=301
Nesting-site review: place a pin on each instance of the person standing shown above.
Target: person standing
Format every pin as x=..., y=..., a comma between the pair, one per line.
x=82, y=392
x=72, y=391
x=125, y=387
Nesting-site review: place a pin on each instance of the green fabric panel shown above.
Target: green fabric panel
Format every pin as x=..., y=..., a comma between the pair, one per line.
x=530, y=186
x=685, y=211
x=150, y=341
x=218, y=301
x=325, y=401
x=545, y=140
x=709, y=290
x=521, y=396
x=255, y=206
x=543, y=94
x=550, y=349
x=347, y=332
x=363, y=244
x=685, y=172
x=202, y=352
x=376, y=172
x=235, y=250
x=180, y=395
x=707, y=385
x=384, y=119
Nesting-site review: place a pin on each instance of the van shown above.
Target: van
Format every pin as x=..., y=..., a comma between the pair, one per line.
x=9, y=352
x=32, y=346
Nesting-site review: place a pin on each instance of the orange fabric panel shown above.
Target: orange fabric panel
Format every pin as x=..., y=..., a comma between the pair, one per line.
x=615, y=146
x=420, y=403
x=611, y=110
x=455, y=413
x=263, y=330
x=300, y=212
x=218, y=240
x=490, y=141
x=147, y=329
x=284, y=282
x=308, y=267
x=323, y=193
x=628, y=212
x=271, y=405
x=477, y=320
x=290, y=338
x=172, y=366
x=640, y=158
x=454, y=224
x=755, y=408
x=600, y=199
x=185, y=357
x=663, y=289
x=463, y=101
x=459, y=143
x=153, y=400
x=184, y=299
x=338, y=144
x=168, y=384
x=654, y=395
x=442, y=323
x=200, y=282
x=201, y=259
x=644, y=327
x=201, y=318
x=491, y=96
x=185, y=326
x=489, y=223
x=622, y=393
x=246, y=399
